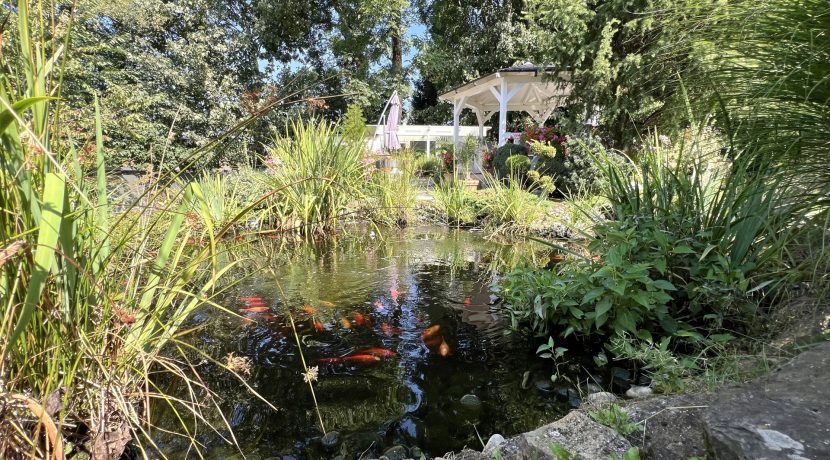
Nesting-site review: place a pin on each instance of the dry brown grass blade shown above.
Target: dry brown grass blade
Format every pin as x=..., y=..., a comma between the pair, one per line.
x=10, y=251
x=52, y=432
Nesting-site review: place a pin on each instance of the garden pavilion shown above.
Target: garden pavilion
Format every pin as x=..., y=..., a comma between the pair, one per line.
x=520, y=88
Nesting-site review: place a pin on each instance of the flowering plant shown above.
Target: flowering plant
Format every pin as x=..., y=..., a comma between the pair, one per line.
x=553, y=135
x=487, y=159
x=448, y=159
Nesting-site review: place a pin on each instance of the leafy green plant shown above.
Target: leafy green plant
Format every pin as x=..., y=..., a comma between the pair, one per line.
x=91, y=293
x=390, y=198
x=617, y=419
x=353, y=127
x=318, y=175
x=517, y=165
x=465, y=153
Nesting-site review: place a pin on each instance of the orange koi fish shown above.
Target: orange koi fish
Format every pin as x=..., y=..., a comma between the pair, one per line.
x=394, y=293
x=359, y=319
x=378, y=305
x=319, y=327
x=309, y=309
x=434, y=341
x=467, y=301
x=325, y=304
x=254, y=309
x=345, y=323
x=444, y=349
x=268, y=317
x=350, y=359
x=430, y=331
x=387, y=330
x=251, y=299
x=377, y=351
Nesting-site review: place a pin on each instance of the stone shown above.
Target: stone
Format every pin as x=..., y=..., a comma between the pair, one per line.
x=602, y=398
x=470, y=400
x=396, y=453
x=783, y=415
x=593, y=388
x=673, y=425
x=415, y=452
x=638, y=392
x=330, y=441
x=578, y=434
x=544, y=385
x=495, y=441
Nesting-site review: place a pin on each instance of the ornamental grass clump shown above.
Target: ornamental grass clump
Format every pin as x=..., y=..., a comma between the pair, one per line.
x=318, y=174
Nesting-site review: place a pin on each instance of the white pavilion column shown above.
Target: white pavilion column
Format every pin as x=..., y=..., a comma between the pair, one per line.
x=504, y=96
x=458, y=106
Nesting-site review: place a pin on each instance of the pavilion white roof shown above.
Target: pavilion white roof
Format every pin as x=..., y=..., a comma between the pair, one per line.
x=513, y=89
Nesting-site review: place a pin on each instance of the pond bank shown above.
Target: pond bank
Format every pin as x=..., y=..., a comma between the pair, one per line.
x=785, y=414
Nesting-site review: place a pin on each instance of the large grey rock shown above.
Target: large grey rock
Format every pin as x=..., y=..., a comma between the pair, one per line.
x=672, y=425
x=495, y=441
x=580, y=435
x=785, y=415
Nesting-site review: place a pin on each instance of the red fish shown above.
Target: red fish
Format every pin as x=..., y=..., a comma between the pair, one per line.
x=378, y=351
x=309, y=309
x=319, y=327
x=467, y=301
x=378, y=305
x=251, y=299
x=268, y=317
x=394, y=293
x=350, y=359
x=359, y=319
x=387, y=330
x=444, y=349
x=345, y=323
x=255, y=304
x=430, y=331
x=255, y=310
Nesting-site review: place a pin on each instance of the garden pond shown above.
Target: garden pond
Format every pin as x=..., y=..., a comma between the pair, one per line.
x=437, y=365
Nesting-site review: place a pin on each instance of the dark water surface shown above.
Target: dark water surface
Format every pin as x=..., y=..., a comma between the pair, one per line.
x=380, y=293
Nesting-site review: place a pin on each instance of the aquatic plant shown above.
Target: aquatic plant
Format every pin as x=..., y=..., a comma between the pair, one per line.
x=509, y=208
x=390, y=196
x=458, y=205
x=318, y=175
x=91, y=293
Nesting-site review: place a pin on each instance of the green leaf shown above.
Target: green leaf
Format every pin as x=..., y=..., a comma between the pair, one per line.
x=682, y=249
x=603, y=306
x=592, y=295
x=54, y=189
x=642, y=298
x=664, y=285
x=7, y=116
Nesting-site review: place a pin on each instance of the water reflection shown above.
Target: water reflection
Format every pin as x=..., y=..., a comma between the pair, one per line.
x=362, y=293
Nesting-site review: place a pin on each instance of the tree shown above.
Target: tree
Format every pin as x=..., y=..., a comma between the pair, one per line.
x=623, y=54
x=353, y=127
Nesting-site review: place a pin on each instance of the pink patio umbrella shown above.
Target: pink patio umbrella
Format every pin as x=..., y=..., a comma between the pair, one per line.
x=390, y=129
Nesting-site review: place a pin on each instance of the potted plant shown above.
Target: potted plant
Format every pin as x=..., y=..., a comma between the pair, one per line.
x=465, y=154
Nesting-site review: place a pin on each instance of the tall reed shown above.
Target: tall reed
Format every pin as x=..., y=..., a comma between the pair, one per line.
x=319, y=173
x=89, y=296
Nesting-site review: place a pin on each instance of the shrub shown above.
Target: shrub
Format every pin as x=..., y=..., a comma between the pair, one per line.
x=456, y=203
x=572, y=166
x=466, y=152
x=690, y=246
x=353, y=128
x=502, y=154
x=509, y=208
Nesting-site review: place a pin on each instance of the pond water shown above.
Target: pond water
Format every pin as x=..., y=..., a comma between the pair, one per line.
x=434, y=395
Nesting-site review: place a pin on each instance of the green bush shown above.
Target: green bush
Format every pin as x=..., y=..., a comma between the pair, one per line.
x=573, y=168
x=693, y=249
x=502, y=154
